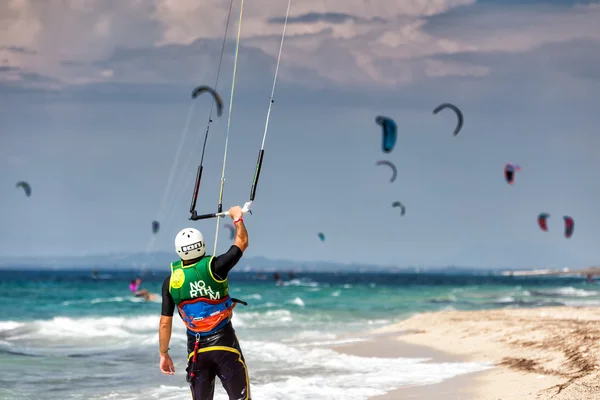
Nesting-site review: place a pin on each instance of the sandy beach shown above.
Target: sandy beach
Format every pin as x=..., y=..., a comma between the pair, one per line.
x=538, y=353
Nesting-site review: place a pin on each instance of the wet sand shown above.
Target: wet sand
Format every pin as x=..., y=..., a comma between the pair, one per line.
x=539, y=353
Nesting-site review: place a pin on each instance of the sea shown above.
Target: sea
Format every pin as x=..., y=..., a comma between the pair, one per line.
x=74, y=335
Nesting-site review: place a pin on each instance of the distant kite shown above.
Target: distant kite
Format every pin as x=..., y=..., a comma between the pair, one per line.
x=569, y=226
x=155, y=227
x=215, y=95
x=459, y=115
x=392, y=166
x=321, y=236
x=398, y=204
x=389, y=133
x=542, y=221
x=26, y=187
x=509, y=172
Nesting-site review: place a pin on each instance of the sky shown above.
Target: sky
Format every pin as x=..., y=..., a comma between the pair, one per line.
x=94, y=96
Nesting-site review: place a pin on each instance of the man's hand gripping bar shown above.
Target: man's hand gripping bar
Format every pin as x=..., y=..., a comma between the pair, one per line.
x=245, y=210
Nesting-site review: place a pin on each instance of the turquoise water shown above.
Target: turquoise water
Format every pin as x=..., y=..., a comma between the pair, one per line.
x=75, y=337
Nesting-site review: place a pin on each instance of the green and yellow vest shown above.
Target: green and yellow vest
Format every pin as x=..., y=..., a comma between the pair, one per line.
x=202, y=300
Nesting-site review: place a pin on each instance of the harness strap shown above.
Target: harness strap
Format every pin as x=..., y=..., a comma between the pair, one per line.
x=192, y=372
x=238, y=301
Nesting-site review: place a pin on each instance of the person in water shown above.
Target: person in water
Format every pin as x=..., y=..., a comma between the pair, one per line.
x=198, y=287
x=134, y=287
x=277, y=279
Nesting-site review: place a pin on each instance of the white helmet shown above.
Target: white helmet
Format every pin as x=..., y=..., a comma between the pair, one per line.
x=189, y=244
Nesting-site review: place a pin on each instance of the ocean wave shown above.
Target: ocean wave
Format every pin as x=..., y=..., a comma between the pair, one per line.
x=301, y=282
x=297, y=301
x=9, y=325
x=505, y=299
x=528, y=303
x=279, y=371
x=63, y=331
x=565, y=292
x=268, y=304
x=341, y=375
x=136, y=330
x=255, y=318
x=443, y=300
x=117, y=299
x=582, y=303
x=332, y=342
x=7, y=348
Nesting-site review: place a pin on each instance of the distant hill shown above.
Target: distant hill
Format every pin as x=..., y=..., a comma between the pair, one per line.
x=158, y=260
x=161, y=261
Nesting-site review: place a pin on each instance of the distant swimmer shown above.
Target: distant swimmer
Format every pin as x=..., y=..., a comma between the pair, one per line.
x=134, y=287
x=590, y=278
x=277, y=279
x=198, y=287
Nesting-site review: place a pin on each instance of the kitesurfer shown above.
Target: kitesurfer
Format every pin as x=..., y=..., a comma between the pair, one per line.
x=198, y=287
x=134, y=287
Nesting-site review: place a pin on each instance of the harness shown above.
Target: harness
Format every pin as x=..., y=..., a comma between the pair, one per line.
x=203, y=317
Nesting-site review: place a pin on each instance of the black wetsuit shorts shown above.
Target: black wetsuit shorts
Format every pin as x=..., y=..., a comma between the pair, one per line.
x=218, y=355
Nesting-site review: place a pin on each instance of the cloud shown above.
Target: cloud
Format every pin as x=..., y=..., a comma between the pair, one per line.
x=18, y=49
x=330, y=17
x=196, y=63
x=396, y=51
x=179, y=19
x=17, y=78
x=554, y=74
x=71, y=30
x=387, y=45
x=506, y=29
x=90, y=31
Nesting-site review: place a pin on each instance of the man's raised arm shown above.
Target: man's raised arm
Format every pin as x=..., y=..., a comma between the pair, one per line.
x=241, y=235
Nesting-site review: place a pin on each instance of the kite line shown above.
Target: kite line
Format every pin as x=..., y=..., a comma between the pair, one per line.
x=220, y=213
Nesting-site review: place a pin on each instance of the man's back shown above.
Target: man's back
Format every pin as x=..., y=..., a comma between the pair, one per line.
x=219, y=267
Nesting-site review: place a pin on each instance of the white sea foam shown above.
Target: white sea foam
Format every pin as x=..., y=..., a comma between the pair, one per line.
x=299, y=368
x=505, y=299
x=297, y=301
x=301, y=282
x=280, y=371
x=9, y=325
x=566, y=291
x=117, y=299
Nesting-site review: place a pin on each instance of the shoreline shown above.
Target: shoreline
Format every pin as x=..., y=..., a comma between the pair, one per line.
x=536, y=353
x=388, y=345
